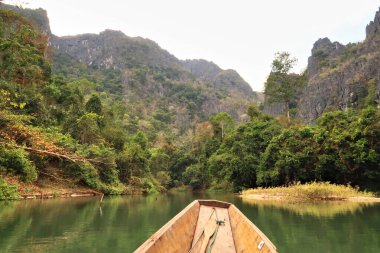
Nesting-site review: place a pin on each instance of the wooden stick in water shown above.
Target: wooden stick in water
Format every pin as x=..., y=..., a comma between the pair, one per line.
x=101, y=199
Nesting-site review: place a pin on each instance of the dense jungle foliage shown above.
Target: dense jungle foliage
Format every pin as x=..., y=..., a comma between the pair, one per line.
x=82, y=131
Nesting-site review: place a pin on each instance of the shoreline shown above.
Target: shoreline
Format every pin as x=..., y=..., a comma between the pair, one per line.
x=71, y=194
x=47, y=189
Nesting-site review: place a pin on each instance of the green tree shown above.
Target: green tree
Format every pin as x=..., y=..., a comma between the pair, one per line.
x=85, y=86
x=87, y=130
x=350, y=145
x=132, y=162
x=253, y=111
x=7, y=100
x=159, y=160
x=7, y=191
x=115, y=136
x=290, y=157
x=104, y=161
x=342, y=148
x=371, y=98
x=17, y=161
x=94, y=104
x=281, y=85
x=140, y=139
x=180, y=160
x=197, y=176
x=237, y=159
x=222, y=124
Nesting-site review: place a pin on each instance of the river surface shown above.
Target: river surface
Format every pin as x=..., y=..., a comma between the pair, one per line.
x=124, y=222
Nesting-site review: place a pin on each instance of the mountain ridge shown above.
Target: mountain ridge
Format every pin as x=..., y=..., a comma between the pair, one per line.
x=147, y=69
x=146, y=73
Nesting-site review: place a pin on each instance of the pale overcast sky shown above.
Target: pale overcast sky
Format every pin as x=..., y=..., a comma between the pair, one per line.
x=242, y=34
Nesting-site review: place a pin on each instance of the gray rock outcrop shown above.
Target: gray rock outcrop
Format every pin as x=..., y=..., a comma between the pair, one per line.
x=339, y=76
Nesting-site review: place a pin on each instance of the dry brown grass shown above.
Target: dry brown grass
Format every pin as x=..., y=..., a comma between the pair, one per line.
x=310, y=191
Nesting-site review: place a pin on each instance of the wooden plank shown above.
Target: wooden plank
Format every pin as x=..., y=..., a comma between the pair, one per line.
x=214, y=203
x=224, y=240
x=247, y=236
x=208, y=231
x=176, y=235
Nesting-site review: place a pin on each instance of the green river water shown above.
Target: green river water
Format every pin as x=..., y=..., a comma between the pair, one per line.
x=124, y=222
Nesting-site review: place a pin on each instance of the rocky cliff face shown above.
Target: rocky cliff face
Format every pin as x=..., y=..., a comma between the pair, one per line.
x=38, y=17
x=340, y=76
x=324, y=54
x=114, y=50
x=373, y=28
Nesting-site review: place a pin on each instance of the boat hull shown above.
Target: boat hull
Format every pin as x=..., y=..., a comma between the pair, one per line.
x=185, y=232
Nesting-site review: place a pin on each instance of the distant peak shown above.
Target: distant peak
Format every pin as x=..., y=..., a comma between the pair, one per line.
x=326, y=45
x=200, y=61
x=113, y=33
x=321, y=42
x=373, y=27
x=230, y=72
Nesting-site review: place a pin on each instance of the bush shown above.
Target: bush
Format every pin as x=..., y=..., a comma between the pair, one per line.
x=163, y=178
x=147, y=185
x=7, y=191
x=16, y=161
x=104, y=162
x=86, y=173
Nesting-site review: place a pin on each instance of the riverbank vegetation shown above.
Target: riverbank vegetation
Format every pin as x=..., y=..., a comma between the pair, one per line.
x=67, y=128
x=342, y=148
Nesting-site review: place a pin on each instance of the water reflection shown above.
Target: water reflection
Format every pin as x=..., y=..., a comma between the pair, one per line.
x=82, y=225
x=317, y=209
x=121, y=224
x=314, y=228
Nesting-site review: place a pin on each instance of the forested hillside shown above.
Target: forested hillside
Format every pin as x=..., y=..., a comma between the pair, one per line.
x=119, y=115
x=104, y=111
x=150, y=77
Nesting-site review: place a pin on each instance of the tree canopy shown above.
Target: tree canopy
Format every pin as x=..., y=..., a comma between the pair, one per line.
x=282, y=86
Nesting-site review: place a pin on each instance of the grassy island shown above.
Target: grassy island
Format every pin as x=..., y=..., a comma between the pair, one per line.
x=311, y=191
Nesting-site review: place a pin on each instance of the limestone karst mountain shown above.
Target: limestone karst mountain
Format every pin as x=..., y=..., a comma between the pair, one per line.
x=340, y=76
x=147, y=75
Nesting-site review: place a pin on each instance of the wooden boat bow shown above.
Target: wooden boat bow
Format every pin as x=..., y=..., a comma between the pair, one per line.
x=191, y=230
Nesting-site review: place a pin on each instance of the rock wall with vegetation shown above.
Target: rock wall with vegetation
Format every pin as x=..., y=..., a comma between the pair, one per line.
x=342, y=77
x=339, y=76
